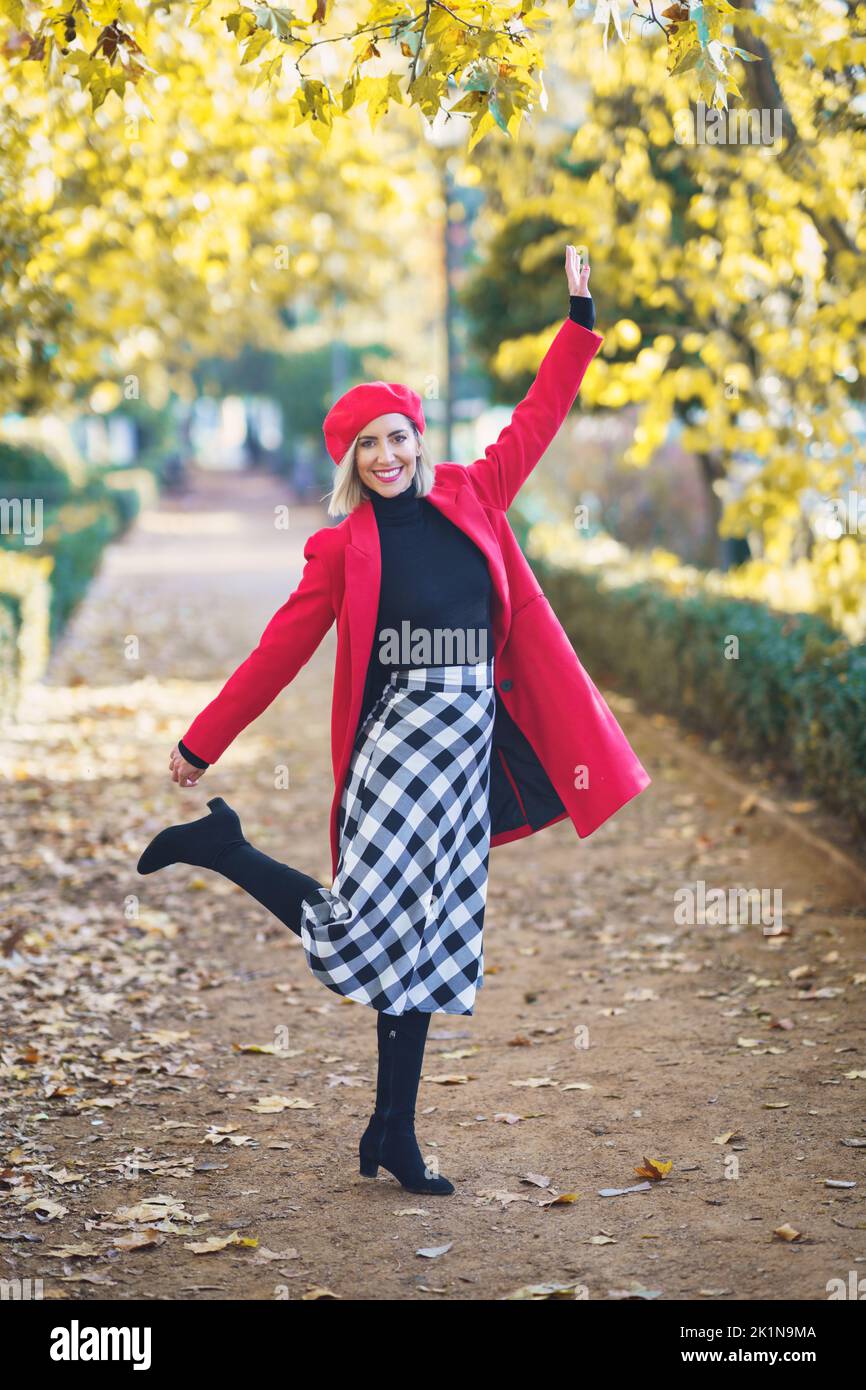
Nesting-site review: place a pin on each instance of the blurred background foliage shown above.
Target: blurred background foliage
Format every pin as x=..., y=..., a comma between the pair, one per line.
x=198, y=253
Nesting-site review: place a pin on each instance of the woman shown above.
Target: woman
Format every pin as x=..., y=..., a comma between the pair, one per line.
x=435, y=758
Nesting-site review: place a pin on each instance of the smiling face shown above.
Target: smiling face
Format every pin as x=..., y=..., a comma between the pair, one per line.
x=385, y=455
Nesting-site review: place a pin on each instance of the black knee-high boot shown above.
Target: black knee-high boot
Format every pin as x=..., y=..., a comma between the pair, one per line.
x=217, y=842
x=398, y=1150
x=368, y=1146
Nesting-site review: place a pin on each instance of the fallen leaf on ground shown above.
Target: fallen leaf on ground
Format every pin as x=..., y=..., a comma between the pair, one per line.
x=207, y=1247
x=654, y=1169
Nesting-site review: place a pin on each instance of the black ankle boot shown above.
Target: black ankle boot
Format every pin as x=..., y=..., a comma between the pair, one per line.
x=371, y=1140
x=217, y=842
x=199, y=842
x=398, y=1150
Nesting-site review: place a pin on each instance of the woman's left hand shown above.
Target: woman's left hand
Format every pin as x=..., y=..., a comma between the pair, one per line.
x=578, y=275
x=183, y=772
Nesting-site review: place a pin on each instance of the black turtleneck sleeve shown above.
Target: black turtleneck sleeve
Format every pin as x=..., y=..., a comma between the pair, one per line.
x=190, y=757
x=582, y=310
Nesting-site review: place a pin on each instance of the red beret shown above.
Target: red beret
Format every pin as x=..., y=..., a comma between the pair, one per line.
x=356, y=408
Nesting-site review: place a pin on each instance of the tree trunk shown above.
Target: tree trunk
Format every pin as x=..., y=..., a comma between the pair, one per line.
x=762, y=90
x=712, y=468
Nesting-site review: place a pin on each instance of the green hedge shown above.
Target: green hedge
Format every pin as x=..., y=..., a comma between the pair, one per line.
x=795, y=696
x=26, y=471
x=25, y=603
x=10, y=625
x=74, y=536
x=80, y=514
x=129, y=490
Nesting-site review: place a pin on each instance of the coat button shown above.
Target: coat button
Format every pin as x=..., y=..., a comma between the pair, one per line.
x=506, y=685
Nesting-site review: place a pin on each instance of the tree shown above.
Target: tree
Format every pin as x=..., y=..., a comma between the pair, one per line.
x=728, y=285
x=380, y=53
x=134, y=247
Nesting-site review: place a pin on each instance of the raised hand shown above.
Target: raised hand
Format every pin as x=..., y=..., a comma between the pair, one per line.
x=577, y=273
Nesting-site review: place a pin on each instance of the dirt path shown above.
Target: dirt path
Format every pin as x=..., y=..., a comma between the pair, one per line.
x=127, y=1004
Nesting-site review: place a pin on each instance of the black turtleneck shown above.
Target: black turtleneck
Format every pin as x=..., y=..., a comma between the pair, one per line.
x=433, y=578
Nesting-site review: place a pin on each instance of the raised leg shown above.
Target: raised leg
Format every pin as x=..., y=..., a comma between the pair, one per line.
x=277, y=886
x=217, y=841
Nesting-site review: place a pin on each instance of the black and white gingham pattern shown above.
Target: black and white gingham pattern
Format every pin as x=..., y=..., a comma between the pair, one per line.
x=401, y=925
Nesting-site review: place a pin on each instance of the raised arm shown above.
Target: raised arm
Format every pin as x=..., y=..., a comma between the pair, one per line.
x=287, y=643
x=535, y=422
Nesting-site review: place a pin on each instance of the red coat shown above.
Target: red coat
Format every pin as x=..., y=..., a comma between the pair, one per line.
x=557, y=749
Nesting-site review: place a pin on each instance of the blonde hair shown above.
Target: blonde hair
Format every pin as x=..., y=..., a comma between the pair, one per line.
x=349, y=492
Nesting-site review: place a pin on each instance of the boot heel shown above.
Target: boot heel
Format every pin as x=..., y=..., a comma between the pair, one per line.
x=368, y=1151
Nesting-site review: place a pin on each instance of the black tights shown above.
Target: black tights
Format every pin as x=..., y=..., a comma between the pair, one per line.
x=401, y=1037
x=282, y=890
x=277, y=886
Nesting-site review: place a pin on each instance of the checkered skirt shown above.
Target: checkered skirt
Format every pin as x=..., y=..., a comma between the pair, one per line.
x=401, y=925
